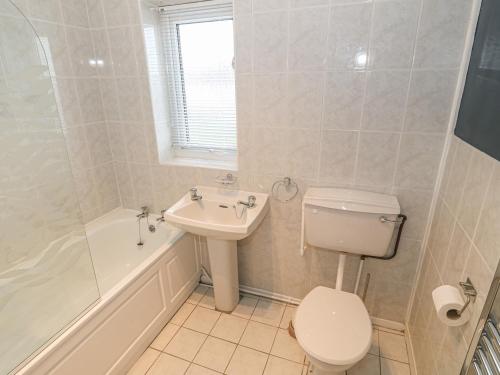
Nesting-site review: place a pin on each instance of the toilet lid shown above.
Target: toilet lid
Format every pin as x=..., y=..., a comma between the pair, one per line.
x=333, y=326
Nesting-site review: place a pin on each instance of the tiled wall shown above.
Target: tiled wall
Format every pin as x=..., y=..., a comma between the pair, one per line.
x=464, y=242
x=305, y=109
x=64, y=26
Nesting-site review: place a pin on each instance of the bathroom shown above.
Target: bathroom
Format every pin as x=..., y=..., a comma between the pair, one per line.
x=162, y=162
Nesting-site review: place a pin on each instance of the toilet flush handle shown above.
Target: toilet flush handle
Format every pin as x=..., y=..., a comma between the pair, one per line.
x=384, y=219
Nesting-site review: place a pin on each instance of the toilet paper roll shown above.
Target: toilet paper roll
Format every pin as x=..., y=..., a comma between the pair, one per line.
x=448, y=301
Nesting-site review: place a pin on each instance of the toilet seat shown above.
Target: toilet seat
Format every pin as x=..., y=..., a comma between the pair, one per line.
x=333, y=326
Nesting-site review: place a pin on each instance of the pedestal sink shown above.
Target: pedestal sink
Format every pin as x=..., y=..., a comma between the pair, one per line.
x=219, y=217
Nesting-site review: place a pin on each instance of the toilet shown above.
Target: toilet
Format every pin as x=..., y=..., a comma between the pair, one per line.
x=333, y=326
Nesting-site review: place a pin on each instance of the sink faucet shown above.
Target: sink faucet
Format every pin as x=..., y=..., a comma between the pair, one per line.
x=250, y=203
x=194, y=194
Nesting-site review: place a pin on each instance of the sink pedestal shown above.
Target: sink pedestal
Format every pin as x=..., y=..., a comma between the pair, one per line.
x=223, y=257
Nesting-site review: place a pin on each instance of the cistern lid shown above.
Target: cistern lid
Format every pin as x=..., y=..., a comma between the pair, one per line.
x=352, y=200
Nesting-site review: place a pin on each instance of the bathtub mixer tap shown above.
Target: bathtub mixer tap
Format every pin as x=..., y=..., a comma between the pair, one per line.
x=144, y=215
x=161, y=219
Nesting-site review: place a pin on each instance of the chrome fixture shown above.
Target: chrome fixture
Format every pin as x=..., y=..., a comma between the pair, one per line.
x=228, y=179
x=284, y=190
x=470, y=292
x=250, y=203
x=161, y=219
x=194, y=194
x=144, y=213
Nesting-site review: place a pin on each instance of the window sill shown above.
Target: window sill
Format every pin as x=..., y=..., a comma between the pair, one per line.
x=229, y=165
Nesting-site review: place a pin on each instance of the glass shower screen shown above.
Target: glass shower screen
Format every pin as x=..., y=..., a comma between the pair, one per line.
x=46, y=273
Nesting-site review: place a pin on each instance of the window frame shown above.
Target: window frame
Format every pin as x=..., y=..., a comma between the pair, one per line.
x=172, y=17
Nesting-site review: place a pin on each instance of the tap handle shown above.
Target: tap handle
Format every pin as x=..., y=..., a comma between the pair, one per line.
x=145, y=209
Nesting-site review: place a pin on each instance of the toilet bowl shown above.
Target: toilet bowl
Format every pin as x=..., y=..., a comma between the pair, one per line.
x=334, y=330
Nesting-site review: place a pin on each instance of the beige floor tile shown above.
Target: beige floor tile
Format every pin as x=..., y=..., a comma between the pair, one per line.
x=164, y=337
x=370, y=365
x=247, y=361
x=392, y=346
x=185, y=344
x=287, y=347
x=268, y=312
x=229, y=328
x=389, y=367
x=202, y=320
x=182, y=314
x=208, y=300
x=245, y=307
x=197, y=294
x=288, y=316
x=168, y=365
x=258, y=336
x=199, y=370
x=144, y=362
x=375, y=350
x=215, y=354
x=279, y=366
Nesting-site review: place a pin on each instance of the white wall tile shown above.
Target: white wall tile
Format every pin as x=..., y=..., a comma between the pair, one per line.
x=349, y=35
x=307, y=39
x=338, y=156
x=270, y=41
x=393, y=34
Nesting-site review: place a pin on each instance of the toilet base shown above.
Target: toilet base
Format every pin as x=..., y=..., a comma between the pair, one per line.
x=316, y=371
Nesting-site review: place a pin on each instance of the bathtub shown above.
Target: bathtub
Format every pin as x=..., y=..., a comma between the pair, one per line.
x=141, y=288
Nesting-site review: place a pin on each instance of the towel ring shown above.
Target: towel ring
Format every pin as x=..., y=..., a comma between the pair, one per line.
x=284, y=190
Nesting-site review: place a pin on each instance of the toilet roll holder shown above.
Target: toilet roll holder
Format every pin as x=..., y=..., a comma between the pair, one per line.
x=470, y=292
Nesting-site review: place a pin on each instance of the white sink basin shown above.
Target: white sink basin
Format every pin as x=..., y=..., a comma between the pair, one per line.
x=220, y=218
x=217, y=214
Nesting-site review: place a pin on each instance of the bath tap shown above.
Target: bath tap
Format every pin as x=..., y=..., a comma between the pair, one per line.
x=144, y=213
x=161, y=219
x=194, y=195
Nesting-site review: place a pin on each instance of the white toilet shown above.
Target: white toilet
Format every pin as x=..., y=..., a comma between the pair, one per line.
x=332, y=326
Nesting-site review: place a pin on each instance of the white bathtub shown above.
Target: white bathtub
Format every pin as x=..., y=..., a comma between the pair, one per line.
x=141, y=288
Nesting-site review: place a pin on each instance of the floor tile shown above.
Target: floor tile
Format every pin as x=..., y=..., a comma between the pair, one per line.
x=370, y=365
x=258, y=336
x=197, y=294
x=389, y=330
x=247, y=361
x=215, y=354
x=208, y=300
x=202, y=320
x=375, y=350
x=389, y=367
x=287, y=347
x=164, y=337
x=279, y=366
x=268, y=312
x=288, y=316
x=199, y=370
x=168, y=365
x=144, y=362
x=185, y=344
x=245, y=307
x=229, y=328
x=182, y=314
x=392, y=346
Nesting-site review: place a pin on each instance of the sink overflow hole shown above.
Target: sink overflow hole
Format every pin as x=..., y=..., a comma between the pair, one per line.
x=223, y=206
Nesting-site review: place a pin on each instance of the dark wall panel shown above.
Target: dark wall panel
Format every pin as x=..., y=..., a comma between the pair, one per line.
x=479, y=116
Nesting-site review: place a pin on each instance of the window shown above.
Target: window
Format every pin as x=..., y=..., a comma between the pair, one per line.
x=199, y=50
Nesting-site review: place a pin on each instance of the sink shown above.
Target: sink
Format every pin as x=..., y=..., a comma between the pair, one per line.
x=220, y=218
x=217, y=214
